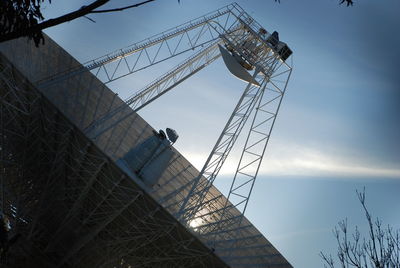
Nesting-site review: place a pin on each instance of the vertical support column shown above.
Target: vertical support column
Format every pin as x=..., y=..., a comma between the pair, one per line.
x=223, y=146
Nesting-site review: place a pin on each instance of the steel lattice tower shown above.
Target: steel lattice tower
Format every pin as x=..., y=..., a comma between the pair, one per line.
x=86, y=182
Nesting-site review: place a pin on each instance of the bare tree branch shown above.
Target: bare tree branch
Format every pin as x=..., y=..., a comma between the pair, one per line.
x=52, y=22
x=121, y=8
x=21, y=18
x=379, y=249
x=83, y=11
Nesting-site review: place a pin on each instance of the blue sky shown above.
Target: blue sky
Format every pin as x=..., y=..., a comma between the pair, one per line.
x=338, y=129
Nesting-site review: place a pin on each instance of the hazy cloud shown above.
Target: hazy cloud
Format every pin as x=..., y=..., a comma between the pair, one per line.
x=294, y=160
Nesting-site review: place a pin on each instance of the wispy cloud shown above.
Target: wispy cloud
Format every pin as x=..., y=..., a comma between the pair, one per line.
x=309, y=162
x=300, y=161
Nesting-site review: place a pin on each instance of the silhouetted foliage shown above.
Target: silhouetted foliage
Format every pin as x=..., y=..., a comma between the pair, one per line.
x=24, y=17
x=348, y=2
x=19, y=15
x=380, y=248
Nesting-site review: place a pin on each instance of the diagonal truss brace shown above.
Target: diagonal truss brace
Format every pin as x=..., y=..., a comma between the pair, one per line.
x=252, y=154
x=161, y=47
x=193, y=201
x=255, y=145
x=155, y=90
x=236, y=29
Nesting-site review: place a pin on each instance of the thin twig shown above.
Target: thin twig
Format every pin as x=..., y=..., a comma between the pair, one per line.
x=121, y=8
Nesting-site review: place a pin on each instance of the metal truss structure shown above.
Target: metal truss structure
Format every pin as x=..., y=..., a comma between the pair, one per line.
x=78, y=202
x=157, y=88
x=233, y=27
x=69, y=203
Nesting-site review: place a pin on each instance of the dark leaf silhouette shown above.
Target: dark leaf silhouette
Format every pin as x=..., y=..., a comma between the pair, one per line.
x=23, y=18
x=348, y=2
